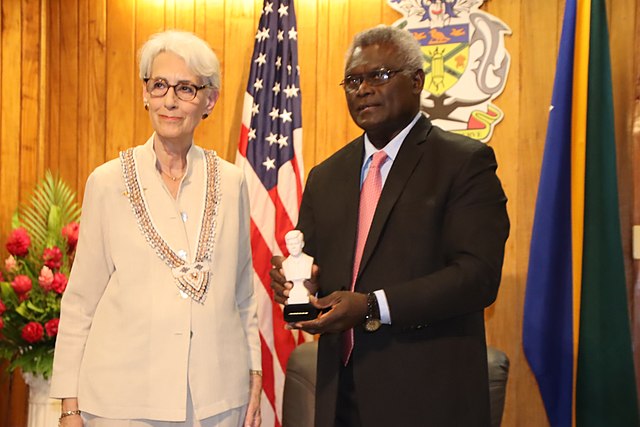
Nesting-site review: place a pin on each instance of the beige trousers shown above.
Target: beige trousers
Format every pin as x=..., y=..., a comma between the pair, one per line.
x=231, y=418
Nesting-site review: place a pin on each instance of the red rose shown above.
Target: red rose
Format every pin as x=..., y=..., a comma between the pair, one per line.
x=52, y=327
x=1, y=277
x=21, y=284
x=70, y=232
x=18, y=242
x=52, y=257
x=32, y=332
x=3, y=307
x=59, y=283
x=1, y=325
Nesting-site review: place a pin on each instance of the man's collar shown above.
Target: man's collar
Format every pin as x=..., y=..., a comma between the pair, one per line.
x=394, y=145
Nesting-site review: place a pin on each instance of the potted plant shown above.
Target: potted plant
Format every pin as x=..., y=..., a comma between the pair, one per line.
x=40, y=247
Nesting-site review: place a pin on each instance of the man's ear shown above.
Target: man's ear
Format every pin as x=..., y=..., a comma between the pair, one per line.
x=418, y=81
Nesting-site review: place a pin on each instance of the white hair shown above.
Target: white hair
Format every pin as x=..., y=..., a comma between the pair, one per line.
x=406, y=45
x=195, y=52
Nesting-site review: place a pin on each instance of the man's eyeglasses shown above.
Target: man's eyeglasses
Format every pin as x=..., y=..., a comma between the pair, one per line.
x=352, y=82
x=185, y=91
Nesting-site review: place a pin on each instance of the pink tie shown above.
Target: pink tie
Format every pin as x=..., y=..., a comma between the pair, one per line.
x=369, y=196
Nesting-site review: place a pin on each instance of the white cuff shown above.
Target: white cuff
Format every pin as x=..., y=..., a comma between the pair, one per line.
x=383, y=305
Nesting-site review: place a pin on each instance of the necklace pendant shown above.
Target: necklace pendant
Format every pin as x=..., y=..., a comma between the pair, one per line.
x=192, y=279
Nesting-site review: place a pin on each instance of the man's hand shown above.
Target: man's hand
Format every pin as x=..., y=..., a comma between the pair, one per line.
x=347, y=309
x=280, y=285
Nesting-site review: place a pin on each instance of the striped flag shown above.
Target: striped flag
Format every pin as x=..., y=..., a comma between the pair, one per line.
x=270, y=153
x=576, y=327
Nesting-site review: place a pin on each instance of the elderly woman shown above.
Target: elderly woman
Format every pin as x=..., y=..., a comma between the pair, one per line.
x=159, y=324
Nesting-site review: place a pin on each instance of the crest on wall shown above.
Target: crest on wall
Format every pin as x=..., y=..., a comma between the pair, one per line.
x=466, y=62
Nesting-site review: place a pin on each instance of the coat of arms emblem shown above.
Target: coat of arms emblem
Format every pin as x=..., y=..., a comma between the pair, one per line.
x=466, y=63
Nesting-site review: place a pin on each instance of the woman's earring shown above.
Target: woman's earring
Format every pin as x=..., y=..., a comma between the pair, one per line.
x=204, y=116
x=146, y=105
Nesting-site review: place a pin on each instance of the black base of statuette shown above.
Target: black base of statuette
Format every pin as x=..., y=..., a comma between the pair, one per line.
x=299, y=312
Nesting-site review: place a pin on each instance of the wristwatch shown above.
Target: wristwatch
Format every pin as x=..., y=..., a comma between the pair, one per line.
x=372, y=319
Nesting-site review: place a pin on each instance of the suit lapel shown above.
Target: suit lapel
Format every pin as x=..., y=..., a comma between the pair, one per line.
x=403, y=166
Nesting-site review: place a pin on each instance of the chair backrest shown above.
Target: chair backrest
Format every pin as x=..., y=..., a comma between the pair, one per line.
x=498, y=374
x=300, y=385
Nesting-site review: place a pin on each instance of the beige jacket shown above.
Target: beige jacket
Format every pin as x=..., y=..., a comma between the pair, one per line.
x=129, y=341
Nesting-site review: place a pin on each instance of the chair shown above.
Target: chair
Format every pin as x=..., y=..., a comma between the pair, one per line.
x=300, y=383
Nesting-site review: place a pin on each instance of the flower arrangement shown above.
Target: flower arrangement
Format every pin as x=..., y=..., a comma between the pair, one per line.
x=41, y=248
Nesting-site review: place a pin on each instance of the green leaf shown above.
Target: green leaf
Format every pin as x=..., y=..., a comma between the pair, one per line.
x=8, y=294
x=15, y=220
x=52, y=206
x=22, y=310
x=32, y=307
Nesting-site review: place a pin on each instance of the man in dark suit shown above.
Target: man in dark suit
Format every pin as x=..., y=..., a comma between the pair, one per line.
x=431, y=259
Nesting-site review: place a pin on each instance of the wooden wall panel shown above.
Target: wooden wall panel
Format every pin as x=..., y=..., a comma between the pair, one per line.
x=212, y=134
x=72, y=75
x=121, y=76
x=21, y=146
x=70, y=99
x=309, y=66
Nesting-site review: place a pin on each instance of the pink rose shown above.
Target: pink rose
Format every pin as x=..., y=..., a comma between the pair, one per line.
x=32, y=332
x=3, y=307
x=52, y=257
x=70, y=232
x=10, y=263
x=59, y=283
x=21, y=284
x=46, y=278
x=52, y=327
x=18, y=242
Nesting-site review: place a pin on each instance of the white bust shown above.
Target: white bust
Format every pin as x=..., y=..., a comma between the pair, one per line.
x=297, y=267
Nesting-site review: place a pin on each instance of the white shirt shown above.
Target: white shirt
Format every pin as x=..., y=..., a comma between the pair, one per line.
x=391, y=149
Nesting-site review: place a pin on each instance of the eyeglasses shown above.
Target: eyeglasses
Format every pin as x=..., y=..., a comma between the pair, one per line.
x=352, y=82
x=185, y=91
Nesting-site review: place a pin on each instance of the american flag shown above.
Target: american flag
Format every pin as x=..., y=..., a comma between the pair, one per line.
x=270, y=153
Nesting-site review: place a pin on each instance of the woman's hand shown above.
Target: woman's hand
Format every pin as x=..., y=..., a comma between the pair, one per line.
x=71, y=421
x=70, y=404
x=253, y=418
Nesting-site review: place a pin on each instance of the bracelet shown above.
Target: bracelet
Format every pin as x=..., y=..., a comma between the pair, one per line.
x=254, y=372
x=69, y=413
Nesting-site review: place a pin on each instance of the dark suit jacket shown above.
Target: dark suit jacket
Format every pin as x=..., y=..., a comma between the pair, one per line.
x=436, y=247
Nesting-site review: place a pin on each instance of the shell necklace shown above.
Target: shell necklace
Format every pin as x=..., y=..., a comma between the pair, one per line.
x=191, y=278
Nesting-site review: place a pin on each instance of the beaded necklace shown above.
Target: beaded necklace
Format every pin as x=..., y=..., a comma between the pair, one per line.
x=191, y=278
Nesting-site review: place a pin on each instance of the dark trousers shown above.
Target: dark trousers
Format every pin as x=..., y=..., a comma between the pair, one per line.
x=347, y=412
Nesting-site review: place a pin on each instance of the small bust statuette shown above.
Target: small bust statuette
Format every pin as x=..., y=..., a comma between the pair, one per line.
x=297, y=267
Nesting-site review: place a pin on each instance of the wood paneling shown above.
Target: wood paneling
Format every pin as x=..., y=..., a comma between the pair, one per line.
x=22, y=142
x=70, y=99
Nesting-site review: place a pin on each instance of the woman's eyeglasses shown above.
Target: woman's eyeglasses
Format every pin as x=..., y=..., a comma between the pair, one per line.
x=186, y=91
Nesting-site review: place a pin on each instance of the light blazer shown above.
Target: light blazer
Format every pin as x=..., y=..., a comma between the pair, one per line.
x=436, y=247
x=128, y=340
